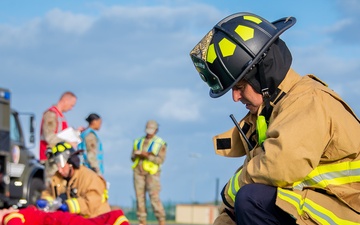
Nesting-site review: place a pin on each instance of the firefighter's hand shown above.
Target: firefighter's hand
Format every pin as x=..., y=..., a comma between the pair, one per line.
x=81, y=129
x=64, y=207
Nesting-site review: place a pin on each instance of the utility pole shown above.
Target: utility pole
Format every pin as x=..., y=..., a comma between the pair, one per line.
x=217, y=191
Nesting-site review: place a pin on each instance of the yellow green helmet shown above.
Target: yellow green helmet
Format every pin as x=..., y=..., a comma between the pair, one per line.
x=63, y=153
x=234, y=47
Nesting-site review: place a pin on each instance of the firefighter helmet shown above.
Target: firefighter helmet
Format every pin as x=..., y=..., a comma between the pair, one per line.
x=234, y=47
x=63, y=153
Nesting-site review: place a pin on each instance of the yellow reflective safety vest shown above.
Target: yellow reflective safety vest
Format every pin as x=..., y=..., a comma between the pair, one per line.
x=311, y=153
x=153, y=147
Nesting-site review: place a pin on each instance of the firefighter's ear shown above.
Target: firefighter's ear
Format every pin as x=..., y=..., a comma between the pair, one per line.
x=48, y=153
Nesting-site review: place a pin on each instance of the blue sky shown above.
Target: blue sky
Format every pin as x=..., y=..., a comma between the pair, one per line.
x=129, y=62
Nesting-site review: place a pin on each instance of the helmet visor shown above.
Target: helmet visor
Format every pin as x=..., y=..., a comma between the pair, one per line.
x=206, y=75
x=198, y=56
x=61, y=159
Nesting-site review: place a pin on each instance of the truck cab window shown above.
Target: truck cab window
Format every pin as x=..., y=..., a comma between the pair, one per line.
x=14, y=129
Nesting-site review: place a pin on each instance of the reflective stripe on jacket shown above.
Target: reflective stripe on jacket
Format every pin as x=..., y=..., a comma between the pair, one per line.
x=323, y=177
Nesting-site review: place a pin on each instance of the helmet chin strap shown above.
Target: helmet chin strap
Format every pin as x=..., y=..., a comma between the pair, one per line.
x=266, y=112
x=262, y=79
x=267, y=96
x=71, y=170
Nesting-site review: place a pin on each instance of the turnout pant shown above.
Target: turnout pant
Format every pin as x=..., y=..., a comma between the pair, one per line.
x=255, y=204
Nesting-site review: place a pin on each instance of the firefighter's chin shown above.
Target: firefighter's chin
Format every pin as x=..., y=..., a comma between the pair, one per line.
x=251, y=108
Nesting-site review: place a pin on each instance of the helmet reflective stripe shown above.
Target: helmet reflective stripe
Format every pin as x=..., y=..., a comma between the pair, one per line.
x=306, y=206
x=246, y=33
x=61, y=153
x=227, y=48
x=211, y=54
x=60, y=147
x=332, y=174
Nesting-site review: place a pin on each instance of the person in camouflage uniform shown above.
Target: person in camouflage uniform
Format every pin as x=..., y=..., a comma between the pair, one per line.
x=91, y=144
x=53, y=121
x=148, y=154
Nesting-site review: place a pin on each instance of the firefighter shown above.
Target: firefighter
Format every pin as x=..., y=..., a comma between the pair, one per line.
x=33, y=216
x=81, y=190
x=301, y=140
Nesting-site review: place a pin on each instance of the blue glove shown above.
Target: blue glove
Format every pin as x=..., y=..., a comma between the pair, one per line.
x=41, y=203
x=64, y=207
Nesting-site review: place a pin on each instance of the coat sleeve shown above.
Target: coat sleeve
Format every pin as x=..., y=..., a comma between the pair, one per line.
x=231, y=143
x=58, y=183
x=133, y=157
x=224, y=218
x=295, y=142
x=91, y=196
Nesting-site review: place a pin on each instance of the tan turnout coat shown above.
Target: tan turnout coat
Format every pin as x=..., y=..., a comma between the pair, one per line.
x=90, y=189
x=310, y=126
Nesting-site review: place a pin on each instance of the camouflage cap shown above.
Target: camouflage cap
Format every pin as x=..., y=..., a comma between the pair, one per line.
x=151, y=127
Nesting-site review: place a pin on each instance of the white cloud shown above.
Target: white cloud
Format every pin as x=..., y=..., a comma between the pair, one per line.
x=349, y=6
x=180, y=105
x=19, y=37
x=68, y=22
x=323, y=61
x=339, y=25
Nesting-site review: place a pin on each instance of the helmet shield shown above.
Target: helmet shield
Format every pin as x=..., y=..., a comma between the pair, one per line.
x=233, y=47
x=198, y=56
x=62, y=158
